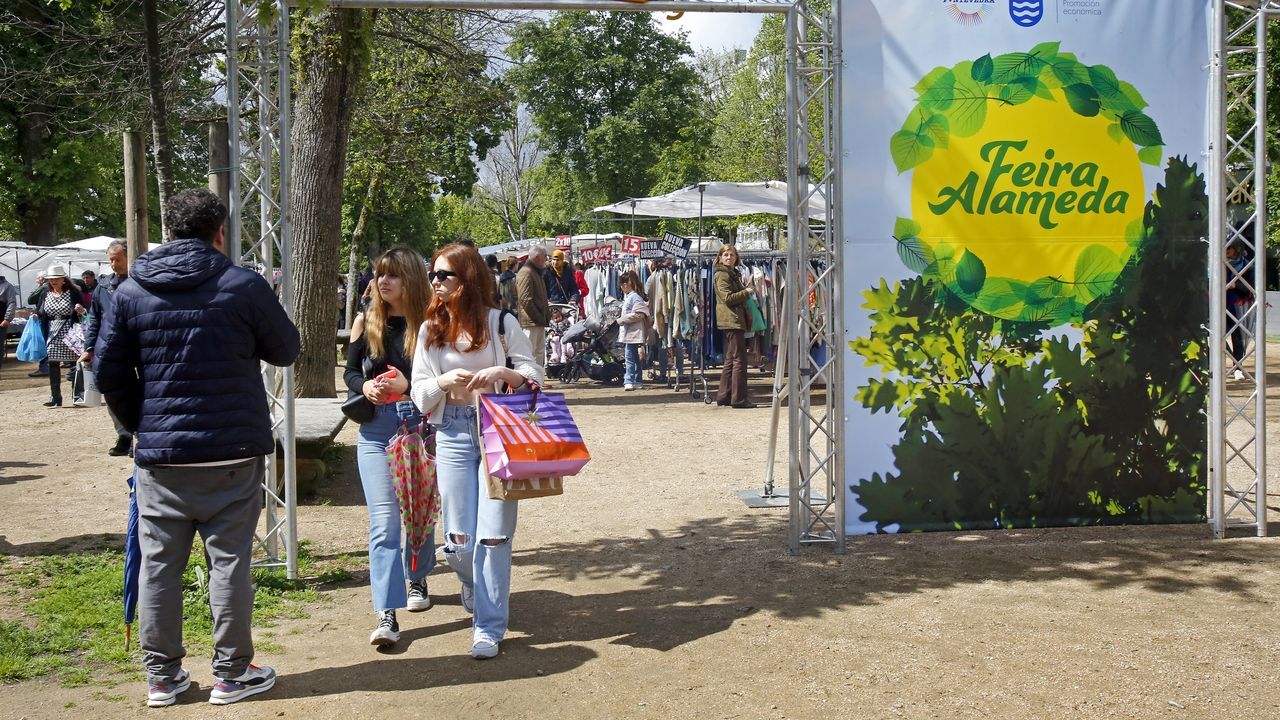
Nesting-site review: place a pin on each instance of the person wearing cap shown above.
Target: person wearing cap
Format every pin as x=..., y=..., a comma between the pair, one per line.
x=58, y=305
x=562, y=287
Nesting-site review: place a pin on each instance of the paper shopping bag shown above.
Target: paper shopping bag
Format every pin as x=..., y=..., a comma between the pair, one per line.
x=530, y=435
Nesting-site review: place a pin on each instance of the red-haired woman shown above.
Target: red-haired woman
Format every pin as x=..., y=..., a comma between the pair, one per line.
x=397, y=307
x=463, y=350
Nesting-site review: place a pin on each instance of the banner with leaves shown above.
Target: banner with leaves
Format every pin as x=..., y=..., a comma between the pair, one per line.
x=1027, y=208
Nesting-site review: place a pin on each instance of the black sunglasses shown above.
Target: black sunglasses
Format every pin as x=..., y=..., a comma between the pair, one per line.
x=440, y=275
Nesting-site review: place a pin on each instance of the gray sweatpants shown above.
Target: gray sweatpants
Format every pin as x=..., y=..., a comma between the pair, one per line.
x=222, y=504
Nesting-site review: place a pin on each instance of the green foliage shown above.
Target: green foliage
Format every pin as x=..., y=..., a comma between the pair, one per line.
x=1004, y=425
x=608, y=93
x=954, y=101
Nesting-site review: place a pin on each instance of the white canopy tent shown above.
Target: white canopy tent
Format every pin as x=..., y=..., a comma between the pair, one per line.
x=708, y=199
x=96, y=244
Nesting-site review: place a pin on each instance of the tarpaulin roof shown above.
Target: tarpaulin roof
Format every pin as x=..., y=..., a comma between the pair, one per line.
x=718, y=198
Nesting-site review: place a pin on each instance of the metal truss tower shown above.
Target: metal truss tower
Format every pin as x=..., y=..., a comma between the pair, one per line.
x=258, y=102
x=1238, y=216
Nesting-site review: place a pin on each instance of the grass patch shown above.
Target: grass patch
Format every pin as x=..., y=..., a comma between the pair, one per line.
x=73, y=625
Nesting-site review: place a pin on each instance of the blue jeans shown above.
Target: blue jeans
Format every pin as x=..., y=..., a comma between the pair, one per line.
x=631, y=351
x=389, y=560
x=469, y=513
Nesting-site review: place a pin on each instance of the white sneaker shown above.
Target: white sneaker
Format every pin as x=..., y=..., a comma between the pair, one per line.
x=388, y=630
x=419, y=599
x=1238, y=374
x=484, y=648
x=628, y=388
x=468, y=598
x=162, y=694
x=254, y=680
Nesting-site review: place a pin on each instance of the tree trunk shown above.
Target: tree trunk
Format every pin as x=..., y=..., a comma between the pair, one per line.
x=37, y=213
x=357, y=242
x=332, y=47
x=163, y=148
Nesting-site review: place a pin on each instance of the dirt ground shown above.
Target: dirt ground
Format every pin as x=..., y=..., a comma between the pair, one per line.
x=649, y=591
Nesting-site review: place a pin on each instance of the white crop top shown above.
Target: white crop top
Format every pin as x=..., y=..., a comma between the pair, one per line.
x=456, y=356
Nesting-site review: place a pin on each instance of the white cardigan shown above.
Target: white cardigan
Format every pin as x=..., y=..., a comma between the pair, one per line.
x=427, y=393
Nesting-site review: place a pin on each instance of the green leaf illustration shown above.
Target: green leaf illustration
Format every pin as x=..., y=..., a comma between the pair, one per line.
x=914, y=253
x=1096, y=271
x=1131, y=93
x=910, y=149
x=969, y=111
x=983, y=68
x=1046, y=51
x=1152, y=155
x=1019, y=90
x=1068, y=71
x=1104, y=80
x=905, y=228
x=1114, y=131
x=971, y=273
x=1016, y=65
x=939, y=95
x=933, y=125
x=1083, y=99
x=1140, y=129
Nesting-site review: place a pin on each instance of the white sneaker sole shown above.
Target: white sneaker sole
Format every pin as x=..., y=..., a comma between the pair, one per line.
x=383, y=638
x=416, y=605
x=484, y=653
x=171, y=697
x=228, y=699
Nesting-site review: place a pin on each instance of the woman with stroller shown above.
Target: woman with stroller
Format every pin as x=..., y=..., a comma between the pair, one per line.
x=463, y=350
x=633, y=327
x=397, y=307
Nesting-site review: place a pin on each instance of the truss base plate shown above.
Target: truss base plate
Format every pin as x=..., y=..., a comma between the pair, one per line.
x=756, y=499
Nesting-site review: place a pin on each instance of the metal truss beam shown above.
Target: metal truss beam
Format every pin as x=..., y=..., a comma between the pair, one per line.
x=815, y=336
x=258, y=95
x=258, y=101
x=1238, y=216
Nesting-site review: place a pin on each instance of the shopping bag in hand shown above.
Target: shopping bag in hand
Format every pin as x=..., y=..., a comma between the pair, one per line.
x=31, y=346
x=530, y=435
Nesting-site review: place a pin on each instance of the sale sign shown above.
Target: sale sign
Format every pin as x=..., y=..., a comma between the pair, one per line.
x=599, y=253
x=564, y=242
x=631, y=244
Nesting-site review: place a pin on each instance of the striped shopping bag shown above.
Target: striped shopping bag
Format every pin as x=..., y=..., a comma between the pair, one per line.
x=530, y=435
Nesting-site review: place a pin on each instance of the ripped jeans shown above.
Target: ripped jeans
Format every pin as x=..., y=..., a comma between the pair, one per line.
x=468, y=514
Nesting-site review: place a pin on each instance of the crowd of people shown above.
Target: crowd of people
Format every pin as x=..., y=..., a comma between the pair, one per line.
x=432, y=336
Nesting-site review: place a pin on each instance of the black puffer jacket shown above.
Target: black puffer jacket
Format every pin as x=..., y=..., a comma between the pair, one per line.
x=179, y=353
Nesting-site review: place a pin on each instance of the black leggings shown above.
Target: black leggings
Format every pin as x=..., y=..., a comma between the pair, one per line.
x=55, y=380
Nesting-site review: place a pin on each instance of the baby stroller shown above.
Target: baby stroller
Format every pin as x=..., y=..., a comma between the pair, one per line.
x=595, y=350
x=563, y=317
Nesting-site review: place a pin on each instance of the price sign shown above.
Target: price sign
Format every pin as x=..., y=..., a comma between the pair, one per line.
x=651, y=250
x=599, y=253
x=675, y=245
x=564, y=242
x=631, y=244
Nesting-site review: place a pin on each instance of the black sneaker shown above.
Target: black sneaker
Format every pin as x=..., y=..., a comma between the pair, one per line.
x=122, y=447
x=419, y=600
x=388, y=630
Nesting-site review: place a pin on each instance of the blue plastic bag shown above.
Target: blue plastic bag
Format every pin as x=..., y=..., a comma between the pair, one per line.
x=31, y=346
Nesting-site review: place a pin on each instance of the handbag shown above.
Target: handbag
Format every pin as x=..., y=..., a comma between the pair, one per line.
x=530, y=435
x=358, y=408
x=31, y=345
x=755, y=317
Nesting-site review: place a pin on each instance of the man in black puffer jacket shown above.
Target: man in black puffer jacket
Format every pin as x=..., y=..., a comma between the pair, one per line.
x=178, y=362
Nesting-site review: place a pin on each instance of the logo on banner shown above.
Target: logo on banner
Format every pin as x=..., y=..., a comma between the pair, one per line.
x=675, y=245
x=1026, y=12
x=600, y=253
x=968, y=12
x=1027, y=192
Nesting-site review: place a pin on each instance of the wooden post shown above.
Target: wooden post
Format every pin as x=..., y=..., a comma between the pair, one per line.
x=136, y=220
x=220, y=172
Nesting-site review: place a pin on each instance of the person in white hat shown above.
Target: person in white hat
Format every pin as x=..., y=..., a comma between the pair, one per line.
x=59, y=308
